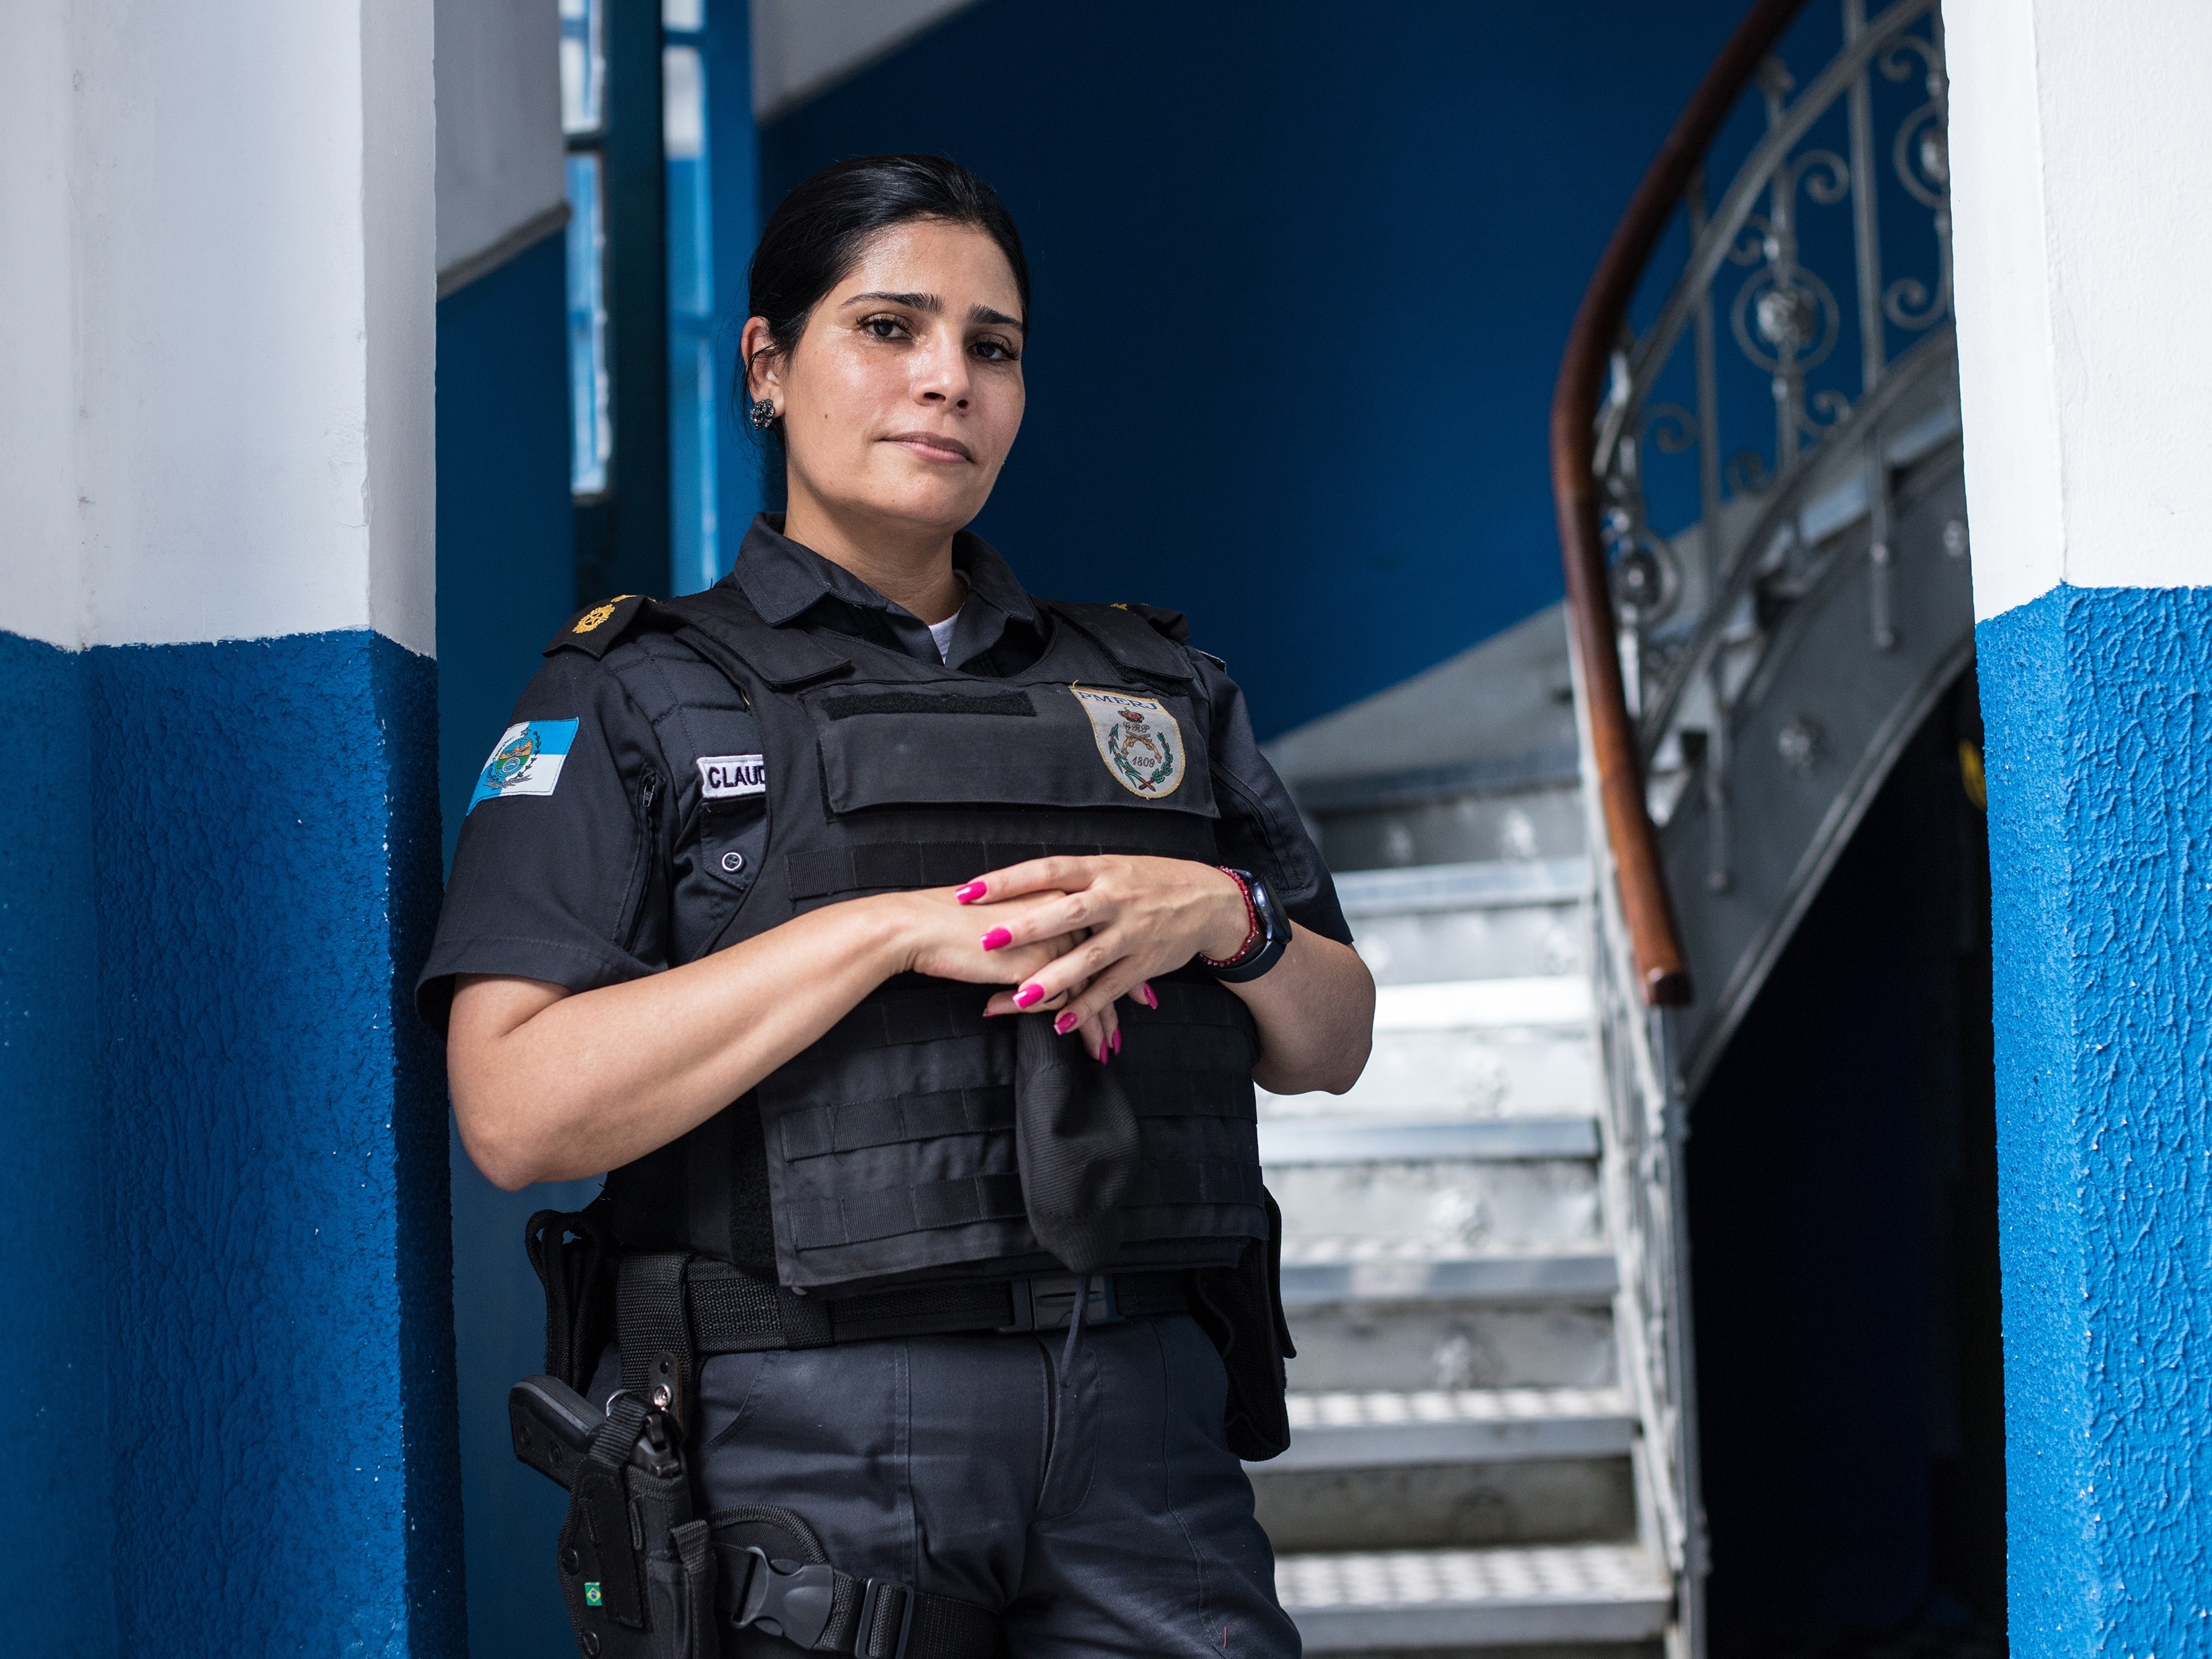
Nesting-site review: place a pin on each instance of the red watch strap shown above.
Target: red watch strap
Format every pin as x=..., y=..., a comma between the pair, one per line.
x=1255, y=935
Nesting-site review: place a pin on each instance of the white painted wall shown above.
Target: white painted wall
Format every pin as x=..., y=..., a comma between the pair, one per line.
x=217, y=355
x=2083, y=231
x=499, y=146
x=801, y=47
x=39, y=515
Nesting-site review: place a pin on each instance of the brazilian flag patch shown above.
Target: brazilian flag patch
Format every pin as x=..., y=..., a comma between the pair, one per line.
x=590, y=1592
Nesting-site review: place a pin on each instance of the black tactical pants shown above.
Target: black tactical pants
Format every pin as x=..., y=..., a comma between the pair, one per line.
x=1106, y=1517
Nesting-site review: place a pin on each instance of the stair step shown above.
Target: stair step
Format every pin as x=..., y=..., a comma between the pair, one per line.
x=1324, y=1270
x=1461, y=1076
x=1486, y=884
x=1468, y=1426
x=1356, y=1140
x=1474, y=1598
x=1483, y=1003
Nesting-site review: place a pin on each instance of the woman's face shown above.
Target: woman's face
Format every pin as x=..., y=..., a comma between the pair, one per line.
x=904, y=393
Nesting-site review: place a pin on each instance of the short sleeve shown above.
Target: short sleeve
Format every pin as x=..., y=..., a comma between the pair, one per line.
x=553, y=873
x=1260, y=829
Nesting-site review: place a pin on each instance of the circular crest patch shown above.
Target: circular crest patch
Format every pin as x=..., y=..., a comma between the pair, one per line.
x=592, y=618
x=1138, y=740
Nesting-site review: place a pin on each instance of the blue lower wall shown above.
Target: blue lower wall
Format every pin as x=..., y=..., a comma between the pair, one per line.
x=2099, y=709
x=506, y=583
x=236, y=1151
x=56, y=1526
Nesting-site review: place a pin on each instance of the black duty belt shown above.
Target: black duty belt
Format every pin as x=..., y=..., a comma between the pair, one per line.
x=731, y=1311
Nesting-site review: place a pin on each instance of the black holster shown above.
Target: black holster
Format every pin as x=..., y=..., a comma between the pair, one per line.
x=641, y=1577
x=636, y=1570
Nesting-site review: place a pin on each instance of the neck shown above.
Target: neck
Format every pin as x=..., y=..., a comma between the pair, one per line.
x=910, y=565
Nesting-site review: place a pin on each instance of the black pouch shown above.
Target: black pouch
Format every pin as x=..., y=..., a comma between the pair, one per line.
x=1240, y=1309
x=576, y=1258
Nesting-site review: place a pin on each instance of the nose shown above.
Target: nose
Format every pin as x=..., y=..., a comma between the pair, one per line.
x=941, y=377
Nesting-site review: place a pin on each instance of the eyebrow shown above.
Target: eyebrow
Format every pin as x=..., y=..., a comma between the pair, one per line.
x=935, y=307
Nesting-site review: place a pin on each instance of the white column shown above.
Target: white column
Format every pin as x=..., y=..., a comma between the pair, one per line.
x=2080, y=135
x=219, y=331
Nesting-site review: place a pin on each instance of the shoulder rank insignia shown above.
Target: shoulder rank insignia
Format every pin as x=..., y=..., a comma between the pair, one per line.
x=1169, y=622
x=596, y=628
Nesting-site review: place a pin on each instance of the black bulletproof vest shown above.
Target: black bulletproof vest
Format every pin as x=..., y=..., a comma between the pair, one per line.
x=891, y=1145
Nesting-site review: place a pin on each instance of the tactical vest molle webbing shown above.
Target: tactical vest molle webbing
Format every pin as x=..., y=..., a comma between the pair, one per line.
x=889, y=1143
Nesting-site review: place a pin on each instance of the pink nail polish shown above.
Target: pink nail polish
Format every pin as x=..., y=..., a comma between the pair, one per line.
x=997, y=937
x=1028, y=994
x=1117, y=1039
x=1105, y=1053
x=1066, y=1021
x=971, y=893
x=1148, y=996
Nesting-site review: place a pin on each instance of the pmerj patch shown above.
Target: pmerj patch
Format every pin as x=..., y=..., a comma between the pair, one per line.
x=526, y=760
x=726, y=777
x=1138, y=740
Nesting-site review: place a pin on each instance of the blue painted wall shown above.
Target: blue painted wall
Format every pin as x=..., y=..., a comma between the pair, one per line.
x=506, y=527
x=228, y=865
x=2098, y=702
x=56, y=1529
x=506, y=583
x=1304, y=274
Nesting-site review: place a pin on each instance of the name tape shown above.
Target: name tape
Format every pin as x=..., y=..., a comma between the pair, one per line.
x=726, y=777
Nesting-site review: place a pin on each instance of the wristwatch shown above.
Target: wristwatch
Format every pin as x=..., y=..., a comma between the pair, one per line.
x=1267, y=933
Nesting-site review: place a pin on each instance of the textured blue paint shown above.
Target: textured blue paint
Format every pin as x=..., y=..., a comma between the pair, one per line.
x=506, y=582
x=1304, y=275
x=2099, y=710
x=55, y=1524
x=259, y=1125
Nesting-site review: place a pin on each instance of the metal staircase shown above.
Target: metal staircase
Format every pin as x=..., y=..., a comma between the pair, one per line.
x=1463, y=1465
x=1572, y=856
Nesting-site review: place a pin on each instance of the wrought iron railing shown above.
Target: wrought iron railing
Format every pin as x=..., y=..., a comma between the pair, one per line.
x=1656, y=614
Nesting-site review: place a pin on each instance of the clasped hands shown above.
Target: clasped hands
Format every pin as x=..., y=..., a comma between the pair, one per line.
x=1072, y=936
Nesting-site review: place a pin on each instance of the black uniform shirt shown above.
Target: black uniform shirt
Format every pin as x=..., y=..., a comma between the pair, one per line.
x=586, y=876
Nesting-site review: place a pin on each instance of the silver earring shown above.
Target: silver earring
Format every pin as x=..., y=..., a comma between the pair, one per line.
x=762, y=415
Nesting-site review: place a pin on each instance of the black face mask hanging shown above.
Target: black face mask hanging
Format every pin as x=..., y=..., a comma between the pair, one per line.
x=1075, y=1134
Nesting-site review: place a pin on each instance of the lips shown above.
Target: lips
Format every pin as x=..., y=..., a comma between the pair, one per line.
x=935, y=445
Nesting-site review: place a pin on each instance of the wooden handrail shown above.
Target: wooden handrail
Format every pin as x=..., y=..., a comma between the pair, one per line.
x=1653, y=940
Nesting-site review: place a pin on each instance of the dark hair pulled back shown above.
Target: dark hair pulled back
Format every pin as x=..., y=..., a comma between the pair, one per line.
x=817, y=232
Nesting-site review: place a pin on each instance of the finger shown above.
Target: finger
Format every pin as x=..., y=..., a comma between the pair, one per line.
x=995, y=886
x=1099, y=1031
x=1098, y=999
x=1072, y=971
x=1102, y=1035
x=1072, y=913
x=1013, y=1001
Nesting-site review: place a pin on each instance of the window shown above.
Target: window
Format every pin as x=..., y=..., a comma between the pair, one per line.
x=583, y=118
x=694, y=405
x=590, y=418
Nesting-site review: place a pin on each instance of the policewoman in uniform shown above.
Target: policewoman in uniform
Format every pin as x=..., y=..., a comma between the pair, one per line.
x=907, y=948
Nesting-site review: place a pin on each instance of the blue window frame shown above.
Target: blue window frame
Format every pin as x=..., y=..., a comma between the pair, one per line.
x=693, y=404
x=584, y=119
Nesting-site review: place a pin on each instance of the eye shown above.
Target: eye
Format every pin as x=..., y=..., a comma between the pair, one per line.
x=885, y=327
x=995, y=350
